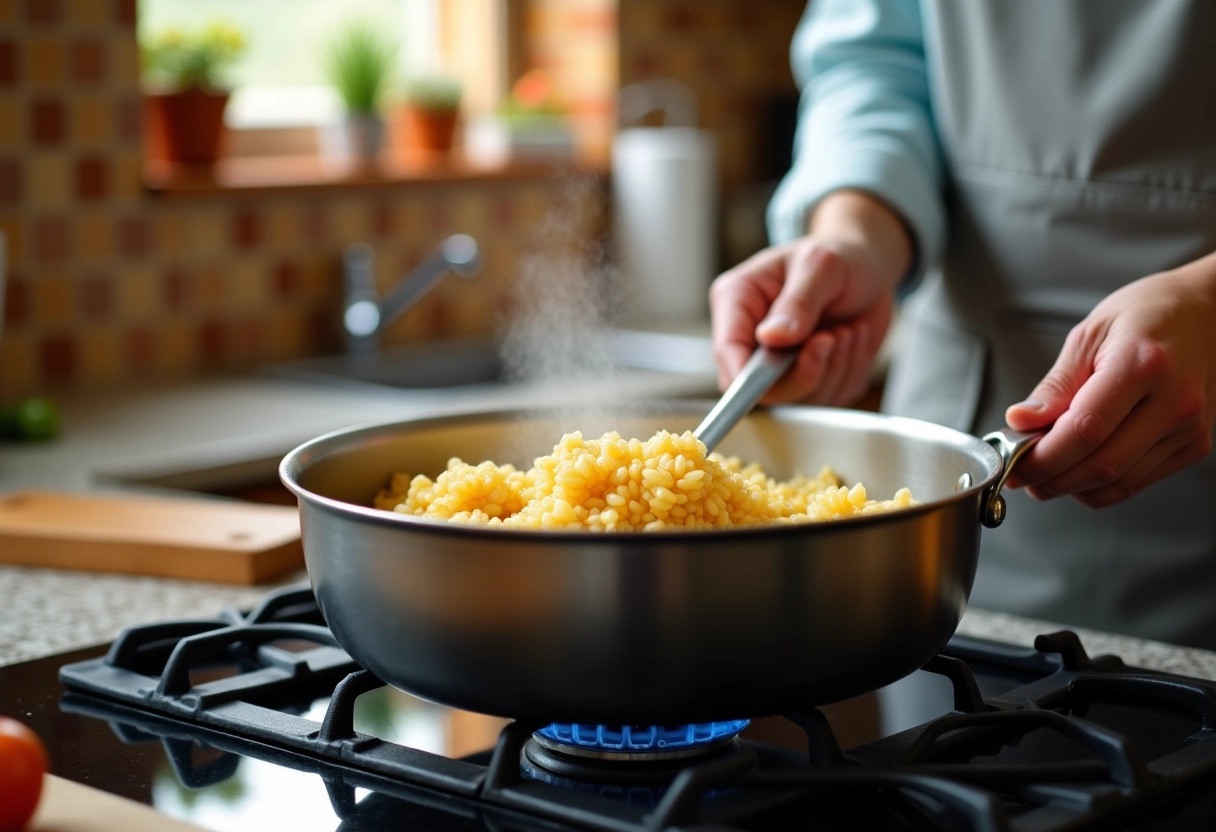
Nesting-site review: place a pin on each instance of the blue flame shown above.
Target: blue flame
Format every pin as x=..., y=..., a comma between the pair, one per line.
x=641, y=738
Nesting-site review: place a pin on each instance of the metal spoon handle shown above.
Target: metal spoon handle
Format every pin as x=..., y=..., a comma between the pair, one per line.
x=759, y=374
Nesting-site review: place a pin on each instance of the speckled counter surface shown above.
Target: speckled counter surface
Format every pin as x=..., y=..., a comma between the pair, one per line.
x=54, y=610
x=51, y=611
x=232, y=419
x=1153, y=655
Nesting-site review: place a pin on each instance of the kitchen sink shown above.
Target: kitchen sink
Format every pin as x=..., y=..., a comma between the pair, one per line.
x=437, y=364
x=253, y=478
x=467, y=362
x=455, y=373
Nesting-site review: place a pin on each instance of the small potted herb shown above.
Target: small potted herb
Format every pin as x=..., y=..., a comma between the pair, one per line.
x=530, y=123
x=430, y=110
x=186, y=92
x=359, y=64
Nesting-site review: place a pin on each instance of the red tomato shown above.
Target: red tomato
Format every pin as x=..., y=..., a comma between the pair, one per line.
x=22, y=764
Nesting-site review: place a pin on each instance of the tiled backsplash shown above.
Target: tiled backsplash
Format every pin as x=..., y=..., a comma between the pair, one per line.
x=107, y=282
x=219, y=282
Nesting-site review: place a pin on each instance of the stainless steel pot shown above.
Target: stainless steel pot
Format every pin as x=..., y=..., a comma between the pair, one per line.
x=638, y=627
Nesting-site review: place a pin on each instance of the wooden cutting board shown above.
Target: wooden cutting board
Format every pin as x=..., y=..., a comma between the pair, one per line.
x=169, y=537
x=66, y=806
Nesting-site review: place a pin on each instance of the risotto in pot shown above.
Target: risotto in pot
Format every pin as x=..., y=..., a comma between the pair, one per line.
x=666, y=482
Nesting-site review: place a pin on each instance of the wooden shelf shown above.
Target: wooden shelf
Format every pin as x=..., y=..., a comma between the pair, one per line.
x=254, y=174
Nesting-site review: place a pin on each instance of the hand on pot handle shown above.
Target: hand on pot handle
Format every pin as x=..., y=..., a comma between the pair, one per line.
x=1012, y=446
x=1131, y=398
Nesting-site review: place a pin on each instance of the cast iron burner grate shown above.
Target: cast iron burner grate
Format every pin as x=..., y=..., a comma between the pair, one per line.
x=978, y=768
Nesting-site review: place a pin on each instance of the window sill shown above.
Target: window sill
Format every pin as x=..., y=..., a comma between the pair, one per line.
x=259, y=174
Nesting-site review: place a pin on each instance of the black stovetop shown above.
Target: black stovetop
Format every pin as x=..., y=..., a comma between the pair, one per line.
x=270, y=726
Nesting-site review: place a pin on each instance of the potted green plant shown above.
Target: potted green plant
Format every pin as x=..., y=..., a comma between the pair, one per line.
x=186, y=93
x=429, y=111
x=359, y=64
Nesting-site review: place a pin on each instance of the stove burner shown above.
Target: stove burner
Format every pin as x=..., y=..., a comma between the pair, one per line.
x=1039, y=740
x=638, y=742
x=641, y=778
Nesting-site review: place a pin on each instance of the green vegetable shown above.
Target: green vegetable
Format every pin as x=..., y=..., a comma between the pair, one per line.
x=33, y=419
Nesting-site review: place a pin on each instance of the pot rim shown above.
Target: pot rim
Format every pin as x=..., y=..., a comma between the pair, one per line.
x=300, y=458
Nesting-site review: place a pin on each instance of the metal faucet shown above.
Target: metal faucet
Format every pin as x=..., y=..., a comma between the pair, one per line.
x=366, y=314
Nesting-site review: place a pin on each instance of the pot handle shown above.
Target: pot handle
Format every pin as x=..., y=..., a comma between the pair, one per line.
x=1011, y=446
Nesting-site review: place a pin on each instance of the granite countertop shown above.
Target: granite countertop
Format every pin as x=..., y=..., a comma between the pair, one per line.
x=236, y=418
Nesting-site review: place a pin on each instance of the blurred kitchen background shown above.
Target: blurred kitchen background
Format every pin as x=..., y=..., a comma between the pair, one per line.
x=123, y=266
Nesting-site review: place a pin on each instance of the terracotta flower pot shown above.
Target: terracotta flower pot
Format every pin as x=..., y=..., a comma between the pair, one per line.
x=185, y=127
x=429, y=129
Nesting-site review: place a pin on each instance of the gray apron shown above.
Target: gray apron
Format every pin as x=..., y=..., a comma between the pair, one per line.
x=1080, y=140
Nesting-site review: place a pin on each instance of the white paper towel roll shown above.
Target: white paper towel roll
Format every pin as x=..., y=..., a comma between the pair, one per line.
x=664, y=184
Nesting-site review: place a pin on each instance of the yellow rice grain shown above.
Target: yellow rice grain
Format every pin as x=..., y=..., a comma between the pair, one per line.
x=615, y=484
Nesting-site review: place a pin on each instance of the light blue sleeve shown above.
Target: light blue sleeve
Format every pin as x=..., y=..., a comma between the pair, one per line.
x=864, y=119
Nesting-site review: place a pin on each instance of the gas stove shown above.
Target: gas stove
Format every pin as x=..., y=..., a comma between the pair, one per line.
x=259, y=720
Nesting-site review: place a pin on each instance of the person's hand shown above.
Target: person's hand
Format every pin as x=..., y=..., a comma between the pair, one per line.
x=1132, y=394
x=830, y=292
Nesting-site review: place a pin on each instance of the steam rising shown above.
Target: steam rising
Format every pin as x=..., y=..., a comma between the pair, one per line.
x=564, y=299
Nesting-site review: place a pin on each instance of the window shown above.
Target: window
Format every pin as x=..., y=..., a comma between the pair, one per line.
x=281, y=94
x=280, y=80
